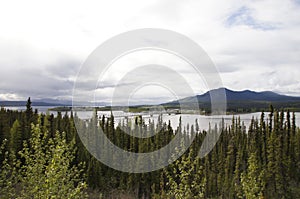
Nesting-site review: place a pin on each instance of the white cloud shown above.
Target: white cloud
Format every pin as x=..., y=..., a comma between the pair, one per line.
x=254, y=44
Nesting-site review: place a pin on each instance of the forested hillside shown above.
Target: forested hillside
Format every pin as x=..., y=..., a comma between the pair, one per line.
x=43, y=157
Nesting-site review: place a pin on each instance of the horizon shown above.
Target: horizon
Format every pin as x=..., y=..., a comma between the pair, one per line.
x=150, y=99
x=65, y=102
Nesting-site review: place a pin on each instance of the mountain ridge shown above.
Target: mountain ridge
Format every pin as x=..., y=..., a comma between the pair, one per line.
x=245, y=101
x=237, y=101
x=34, y=103
x=242, y=95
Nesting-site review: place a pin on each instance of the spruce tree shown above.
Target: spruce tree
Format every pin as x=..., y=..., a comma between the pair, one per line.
x=47, y=171
x=16, y=137
x=252, y=182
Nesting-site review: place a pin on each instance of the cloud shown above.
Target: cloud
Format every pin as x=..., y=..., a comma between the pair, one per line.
x=243, y=16
x=254, y=44
x=27, y=71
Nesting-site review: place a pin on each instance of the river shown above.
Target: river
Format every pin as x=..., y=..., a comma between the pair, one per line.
x=190, y=119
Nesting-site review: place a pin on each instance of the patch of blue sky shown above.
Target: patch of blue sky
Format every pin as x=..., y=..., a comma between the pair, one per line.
x=243, y=16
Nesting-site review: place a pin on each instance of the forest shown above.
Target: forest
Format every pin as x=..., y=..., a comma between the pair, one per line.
x=42, y=156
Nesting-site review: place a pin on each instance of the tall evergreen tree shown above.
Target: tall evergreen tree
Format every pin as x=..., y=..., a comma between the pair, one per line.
x=16, y=137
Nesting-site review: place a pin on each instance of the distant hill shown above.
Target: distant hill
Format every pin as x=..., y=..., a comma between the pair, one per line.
x=48, y=102
x=23, y=103
x=242, y=101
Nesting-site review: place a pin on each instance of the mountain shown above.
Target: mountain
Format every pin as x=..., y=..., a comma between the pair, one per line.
x=242, y=101
x=48, y=102
x=34, y=103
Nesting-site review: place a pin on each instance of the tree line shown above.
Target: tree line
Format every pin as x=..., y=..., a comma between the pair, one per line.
x=42, y=156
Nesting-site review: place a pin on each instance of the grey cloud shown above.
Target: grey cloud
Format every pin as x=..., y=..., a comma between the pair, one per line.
x=28, y=71
x=64, y=68
x=251, y=51
x=37, y=83
x=226, y=68
x=104, y=85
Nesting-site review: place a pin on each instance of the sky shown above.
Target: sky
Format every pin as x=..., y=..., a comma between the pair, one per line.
x=254, y=44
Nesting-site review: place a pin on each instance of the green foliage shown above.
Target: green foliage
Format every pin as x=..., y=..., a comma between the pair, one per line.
x=186, y=178
x=251, y=180
x=16, y=137
x=261, y=162
x=9, y=175
x=47, y=171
